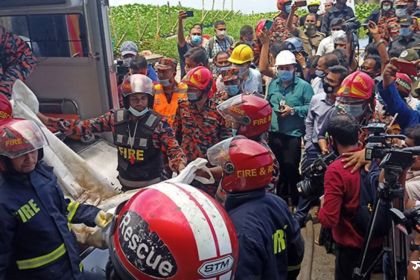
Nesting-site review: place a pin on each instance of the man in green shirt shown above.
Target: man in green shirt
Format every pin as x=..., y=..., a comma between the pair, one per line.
x=289, y=97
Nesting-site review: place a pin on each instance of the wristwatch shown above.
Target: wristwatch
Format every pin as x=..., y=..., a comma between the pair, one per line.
x=414, y=247
x=304, y=67
x=292, y=112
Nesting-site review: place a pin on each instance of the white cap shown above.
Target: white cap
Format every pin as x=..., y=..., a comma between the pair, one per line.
x=285, y=58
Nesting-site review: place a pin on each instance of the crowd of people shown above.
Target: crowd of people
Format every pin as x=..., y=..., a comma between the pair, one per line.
x=263, y=110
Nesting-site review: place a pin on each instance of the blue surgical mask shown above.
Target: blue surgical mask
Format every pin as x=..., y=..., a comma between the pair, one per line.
x=242, y=70
x=196, y=40
x=137, y=113
x=405, y=31
x=354, y=110
x=234, y=131
x=287, y=8
x=232, y=90
x=320, y=74
x=192, y=97
x=386, y=8
x=285, y=75
x=400, y=12
x=250, y=43
x=219, y=69
x=164, y=83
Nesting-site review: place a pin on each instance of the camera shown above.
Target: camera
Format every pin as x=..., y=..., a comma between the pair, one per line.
x=406, y=221
x=313, y=187
x=351, y=24
x=122, y=70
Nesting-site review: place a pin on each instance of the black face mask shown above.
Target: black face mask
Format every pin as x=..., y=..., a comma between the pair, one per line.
x=328, y=89
x=372, y=75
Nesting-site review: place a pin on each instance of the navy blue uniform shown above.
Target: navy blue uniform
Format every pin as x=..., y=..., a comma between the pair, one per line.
x=270, y=244
x=36, y=241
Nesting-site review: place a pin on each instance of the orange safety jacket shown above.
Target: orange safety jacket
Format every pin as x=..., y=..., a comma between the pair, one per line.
x=162, y=106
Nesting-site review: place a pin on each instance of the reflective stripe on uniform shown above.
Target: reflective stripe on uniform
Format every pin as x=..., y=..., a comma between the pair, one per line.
x=43, y=260
x=72, y=208
x=81, y=267
x=293, y=267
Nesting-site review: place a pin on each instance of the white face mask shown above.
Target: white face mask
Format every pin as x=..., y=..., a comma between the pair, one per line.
x=221, y=34
x=137, y=113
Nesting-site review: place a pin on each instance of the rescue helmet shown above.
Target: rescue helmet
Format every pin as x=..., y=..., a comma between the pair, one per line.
x=137, y=83
x=281, y=4
x=357, y=85
x=390, y=1
x=201, y=78
x=285, y=58
x=174, y=231
x=247, y=165
x=19, y=137
x=251, y=112
x=401, y=3
x=403, y=83
x=296, y=43
x=260, y=26
x=241, y=54
x=5, y=107
x=314, y=3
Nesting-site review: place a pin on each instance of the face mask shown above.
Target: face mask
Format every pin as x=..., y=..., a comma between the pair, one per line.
x=164, y=83
x=196, y=40
x=232, y=90
x=354, y=110
x=221, y=34
x=126, y=61
x=219, y=69
x=310, y=27
x=370, y=74
x=137, y=113
x=328, y=89
x=242, y=70
x=386, y=8
x=192, y=97
x=400, y=12
x=287, y=8
x=335, y=34
x=250, y=43
x=234, y=131
x=313, y=10
x=320, y=74
x=405, y=31
x=285, y=75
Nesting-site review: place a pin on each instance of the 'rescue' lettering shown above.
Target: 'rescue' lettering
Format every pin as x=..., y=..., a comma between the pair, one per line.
x=237, y=110
x=279, y=240
x=14, y=142
x=131, y=153
x=27, y=211
x=4, y=115
x=143, y=248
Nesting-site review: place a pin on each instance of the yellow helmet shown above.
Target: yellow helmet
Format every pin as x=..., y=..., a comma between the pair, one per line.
x=314, y=3
x=242, y=54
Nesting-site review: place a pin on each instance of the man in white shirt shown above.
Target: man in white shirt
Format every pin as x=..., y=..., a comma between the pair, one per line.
x=327, y=44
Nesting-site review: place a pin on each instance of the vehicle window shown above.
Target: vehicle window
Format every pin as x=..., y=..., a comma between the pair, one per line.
x=58, y=35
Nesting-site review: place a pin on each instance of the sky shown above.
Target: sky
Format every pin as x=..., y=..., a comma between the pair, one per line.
x=258, y=6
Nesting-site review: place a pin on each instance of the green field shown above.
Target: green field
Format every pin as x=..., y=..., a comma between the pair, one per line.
x=130, y=21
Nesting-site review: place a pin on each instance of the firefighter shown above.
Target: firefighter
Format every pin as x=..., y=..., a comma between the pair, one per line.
x=198, y=125
x=172, y=231
x=251, y=117
x=381, y=16
x=5, y=107
x=270, y=242
x=168, y=91
x=279, y=30
x=139, y=134
x=36, y=239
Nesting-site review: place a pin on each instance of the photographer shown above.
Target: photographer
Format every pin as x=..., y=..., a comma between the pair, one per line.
x=341, y=200
x=339, y=10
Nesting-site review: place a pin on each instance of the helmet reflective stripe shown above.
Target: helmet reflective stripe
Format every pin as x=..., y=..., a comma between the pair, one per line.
x=194, y=208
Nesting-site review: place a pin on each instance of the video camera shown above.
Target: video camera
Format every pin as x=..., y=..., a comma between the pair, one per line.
x=122, y=70
x=314, y=187
x=406, y=221
x=351, y=24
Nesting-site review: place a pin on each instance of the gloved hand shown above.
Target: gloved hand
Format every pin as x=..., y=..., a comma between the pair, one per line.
x=96, y=239
x=102, y=219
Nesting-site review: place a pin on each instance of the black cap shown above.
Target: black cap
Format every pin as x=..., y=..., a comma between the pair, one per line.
x=405, y=20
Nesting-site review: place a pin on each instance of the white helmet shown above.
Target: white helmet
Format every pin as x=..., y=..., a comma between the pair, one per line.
x=285, y=58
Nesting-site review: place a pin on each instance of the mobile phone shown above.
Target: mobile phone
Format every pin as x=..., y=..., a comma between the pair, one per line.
x=282, y=103
x=406, y=67
x=268, y=24
x=300, y=3
x=190, y=14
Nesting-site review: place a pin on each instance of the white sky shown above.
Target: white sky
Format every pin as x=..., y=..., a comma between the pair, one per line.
x=258, y=6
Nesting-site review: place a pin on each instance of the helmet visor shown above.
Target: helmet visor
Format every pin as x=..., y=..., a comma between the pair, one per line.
x=20, y=138
x=218, y=155
x=232, y=110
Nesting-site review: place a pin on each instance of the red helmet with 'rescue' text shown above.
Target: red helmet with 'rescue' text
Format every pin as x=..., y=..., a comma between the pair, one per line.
x=247, y=165
x=403, y=83
x=251, y=112
x=173, y=231
x=202, y=79
x=357, y=85
x=5, y=107
x=281, y=3
x=260, y=26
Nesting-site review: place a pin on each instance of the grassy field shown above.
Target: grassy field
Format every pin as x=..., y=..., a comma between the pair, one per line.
x=153, y=28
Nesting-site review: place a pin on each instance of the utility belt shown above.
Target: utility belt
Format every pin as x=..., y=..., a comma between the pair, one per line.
x=138, y=184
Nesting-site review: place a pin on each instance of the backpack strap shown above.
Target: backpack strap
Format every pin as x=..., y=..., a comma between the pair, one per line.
x=211, y=45
x=230, y=40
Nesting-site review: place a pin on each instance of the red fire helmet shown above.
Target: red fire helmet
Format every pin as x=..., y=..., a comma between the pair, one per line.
x=20, y=137
x=357, y=85
x=253, y=113
x=202, y=79
x=260, y=26
x=173, y=231
x=5, y=107
x=280, y=4
x=403, y=83
x=247, y=165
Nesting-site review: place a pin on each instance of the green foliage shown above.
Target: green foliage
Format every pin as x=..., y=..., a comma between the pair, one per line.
x=132, y=19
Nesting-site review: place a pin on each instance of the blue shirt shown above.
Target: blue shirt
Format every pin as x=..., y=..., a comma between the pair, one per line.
x=407, y=117
x=297, y=95
x=318, y=111
x=151, y=73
